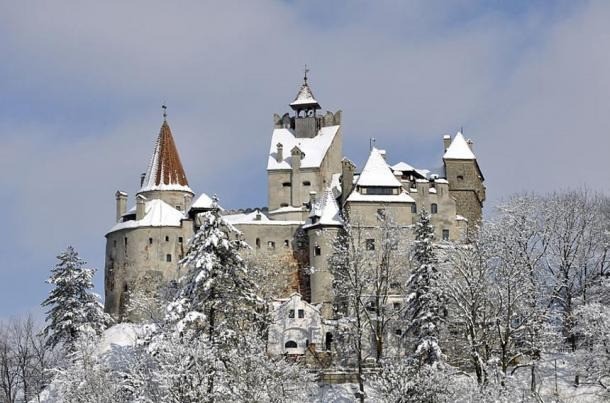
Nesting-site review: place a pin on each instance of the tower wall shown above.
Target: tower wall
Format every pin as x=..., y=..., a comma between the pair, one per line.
x=320, y=248
x=467, y=188
x=137, y=258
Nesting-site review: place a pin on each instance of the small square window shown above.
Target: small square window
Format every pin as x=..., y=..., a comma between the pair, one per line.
x=301, y=313
x=286, y=243
x=270, y=245
x=445, y=235
x=398, y=332
x=291, y=314
x=396, y=306
x=168, y=258
x=370, y=244
x=180, y=239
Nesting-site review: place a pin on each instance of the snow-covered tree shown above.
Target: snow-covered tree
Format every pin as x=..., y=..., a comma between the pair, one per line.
x=425, y=298
x=593, y=327
x=74, y=309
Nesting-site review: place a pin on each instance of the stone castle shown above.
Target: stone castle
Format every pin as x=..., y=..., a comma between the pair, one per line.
x=311, y=187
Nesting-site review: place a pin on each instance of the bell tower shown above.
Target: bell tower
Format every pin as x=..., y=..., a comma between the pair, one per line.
x=306, y=122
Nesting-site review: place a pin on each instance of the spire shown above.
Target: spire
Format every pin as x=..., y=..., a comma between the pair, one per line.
x=459, y=149
x=305, y=98
x=376, y=172
x=165, y=171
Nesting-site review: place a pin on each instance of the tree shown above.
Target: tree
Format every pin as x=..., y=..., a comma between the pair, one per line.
x=425, y=298
x=75, y=310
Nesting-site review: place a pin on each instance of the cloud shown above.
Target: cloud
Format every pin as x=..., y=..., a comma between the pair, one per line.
x=82, y=84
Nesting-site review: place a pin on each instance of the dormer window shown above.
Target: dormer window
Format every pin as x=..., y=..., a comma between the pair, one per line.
x=378, y=190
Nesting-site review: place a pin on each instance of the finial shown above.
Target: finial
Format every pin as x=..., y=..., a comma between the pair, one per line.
x=371, y=143
x=306, y=71
x=462, y=129
x=164, y=112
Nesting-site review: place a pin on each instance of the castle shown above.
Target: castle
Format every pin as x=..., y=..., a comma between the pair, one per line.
x=311, y=189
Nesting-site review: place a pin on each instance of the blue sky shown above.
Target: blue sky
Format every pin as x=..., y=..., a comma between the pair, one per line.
x=82, y=82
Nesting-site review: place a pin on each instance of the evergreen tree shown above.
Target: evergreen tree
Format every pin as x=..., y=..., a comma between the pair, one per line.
x=75, y=310
x=424, y=295
x=217, y=295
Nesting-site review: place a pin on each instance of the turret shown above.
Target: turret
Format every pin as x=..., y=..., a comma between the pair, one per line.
x=465, y=180
x=305, y=105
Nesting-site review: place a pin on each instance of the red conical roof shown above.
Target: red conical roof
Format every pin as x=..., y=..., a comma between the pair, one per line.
x=165, y=171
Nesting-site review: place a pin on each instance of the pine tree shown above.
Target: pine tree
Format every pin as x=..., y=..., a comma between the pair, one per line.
x=424, y=298
x=217, y=295
x=75, y=310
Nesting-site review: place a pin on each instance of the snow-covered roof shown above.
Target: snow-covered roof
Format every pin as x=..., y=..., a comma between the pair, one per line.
x=305, y=97
x=459, y=149
x=165, y=171
x=326, y=210
x=203, y=202
x=403, y=197
x=157, y=214
x=402, y=166
x=376, y=172
x=254, y=216
x=314, y=148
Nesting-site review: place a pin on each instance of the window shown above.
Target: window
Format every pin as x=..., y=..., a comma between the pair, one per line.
x=317, y=251
x=398, y=332
x=445, y=235
x=150, y=241
x=378, y=190
x=283, y=204
x=370, y=244
x=291, y=344
x=258, y=243
x=306, y=183
x=270, y=245
x=460, y=177
x=434, y=208
x=329, y=341
x=286, y=243
x=394, y=285
x=414, y=208
x=114, y=243
x=180, y=239
x=286, y=184
x=396, y=306
x=301, y=313
x=125, y=241
x=306, y=342
x=168, y=258
x=291, y=314
x=381, y=213
x=166, y=238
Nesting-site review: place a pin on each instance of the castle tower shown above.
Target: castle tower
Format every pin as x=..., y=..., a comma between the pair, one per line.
x=145, y=244
x=304, y=156
x=465, y=179
x=322, y=228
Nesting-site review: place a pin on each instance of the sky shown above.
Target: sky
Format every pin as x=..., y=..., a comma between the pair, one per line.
x=82, y=84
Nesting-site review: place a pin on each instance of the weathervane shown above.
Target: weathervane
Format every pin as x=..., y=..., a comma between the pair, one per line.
x=306, y=71
x=164, y=111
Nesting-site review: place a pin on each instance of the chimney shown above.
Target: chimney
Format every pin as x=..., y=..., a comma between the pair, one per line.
x=140, y=207
x=347, y=178
x=446, y=142
x=142, y=177
x=279, y=157
x=121, y=204
x=312, y=199
x=295, y=177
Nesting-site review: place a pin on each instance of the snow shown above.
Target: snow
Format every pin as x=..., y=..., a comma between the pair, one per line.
x=314, y=148
x=121, y=335
x=403, y=166
x=203, y=202
x=327, y=211
x=403, y=197
x=166, y=186
x=376, y=172
x=246, y=218
x=158, y=214
x=459, y=149
x=304, y=97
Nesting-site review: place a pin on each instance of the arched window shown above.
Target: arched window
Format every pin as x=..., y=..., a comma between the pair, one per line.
x=291, y=344
x=433, y=208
